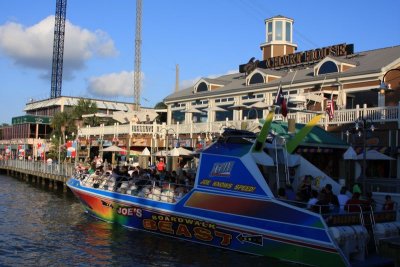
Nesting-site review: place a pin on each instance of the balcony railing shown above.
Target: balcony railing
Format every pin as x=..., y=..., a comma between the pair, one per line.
x=345, y=116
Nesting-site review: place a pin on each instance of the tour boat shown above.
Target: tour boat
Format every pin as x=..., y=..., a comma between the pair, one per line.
x=232, y=205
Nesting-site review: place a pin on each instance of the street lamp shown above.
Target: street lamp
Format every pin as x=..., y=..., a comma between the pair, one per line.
x=362, y=127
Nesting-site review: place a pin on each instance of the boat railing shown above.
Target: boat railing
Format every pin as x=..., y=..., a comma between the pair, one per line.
x=141, y=186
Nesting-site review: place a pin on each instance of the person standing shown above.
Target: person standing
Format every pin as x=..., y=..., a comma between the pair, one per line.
x=342, y=198
x=160, y=166
x=330, y=196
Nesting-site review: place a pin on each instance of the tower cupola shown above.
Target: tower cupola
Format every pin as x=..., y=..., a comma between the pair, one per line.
x=279, y=37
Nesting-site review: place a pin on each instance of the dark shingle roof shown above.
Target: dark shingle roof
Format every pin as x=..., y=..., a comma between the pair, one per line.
x=366, y=62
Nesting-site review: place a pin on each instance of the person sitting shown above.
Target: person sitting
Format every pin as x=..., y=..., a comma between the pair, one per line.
x=354, y=204
x=389, y=203
x=370, y=202
x=313, y=200
x=305, y=188
x=331, y=198
x=342, y=198
x=322, y=205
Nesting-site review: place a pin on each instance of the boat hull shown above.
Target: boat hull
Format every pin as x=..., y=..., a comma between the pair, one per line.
x=169, y=220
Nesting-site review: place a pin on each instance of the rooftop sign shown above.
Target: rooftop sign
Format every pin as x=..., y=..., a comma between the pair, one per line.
x=31, y=119
x=301, y=58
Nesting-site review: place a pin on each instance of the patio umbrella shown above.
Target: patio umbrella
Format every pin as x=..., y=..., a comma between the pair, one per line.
x=260, y=104
x=184, y=152
x=146, y=152
x=238, y=107
x=216, y=108
x=374, y=155
x=192, y=110
x=161, y=153
x=113, y=148
x=350, y=154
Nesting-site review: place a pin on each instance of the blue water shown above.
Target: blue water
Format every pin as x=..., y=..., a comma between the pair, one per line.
x=44, y=227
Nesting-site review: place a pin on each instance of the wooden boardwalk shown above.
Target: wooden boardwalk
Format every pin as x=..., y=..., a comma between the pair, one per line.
x=53, y=175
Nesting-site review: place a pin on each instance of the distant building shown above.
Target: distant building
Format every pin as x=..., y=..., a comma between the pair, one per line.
x=34, y=127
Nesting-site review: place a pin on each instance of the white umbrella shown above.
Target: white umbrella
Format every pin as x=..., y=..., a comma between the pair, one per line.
x=216, y=108
x=184, y=152
x=374, y=155
x=113, y=149
x=238, y=107
x=259, y=104
x=146, y=152
x=192, y=110
x=161, y=153
x=174, y=152
x=350, y=154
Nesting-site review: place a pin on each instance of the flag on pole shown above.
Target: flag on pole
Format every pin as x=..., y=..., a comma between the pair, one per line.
x=281, y=101
x=330, y=108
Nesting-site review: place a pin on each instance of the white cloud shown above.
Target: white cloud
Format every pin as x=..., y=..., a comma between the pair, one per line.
x=32, y=46
x=113, y=84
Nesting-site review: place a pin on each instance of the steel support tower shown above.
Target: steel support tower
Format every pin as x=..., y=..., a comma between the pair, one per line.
x=138, y=55
x=58, y=48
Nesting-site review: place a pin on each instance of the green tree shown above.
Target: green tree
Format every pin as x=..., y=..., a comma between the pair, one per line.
x=84, y=107
x=163, y=116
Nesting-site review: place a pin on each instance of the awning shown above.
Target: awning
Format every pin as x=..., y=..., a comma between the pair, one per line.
x=374, y=155
x=316, y=141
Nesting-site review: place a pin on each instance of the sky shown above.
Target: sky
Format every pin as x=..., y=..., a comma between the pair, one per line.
x=206, y=38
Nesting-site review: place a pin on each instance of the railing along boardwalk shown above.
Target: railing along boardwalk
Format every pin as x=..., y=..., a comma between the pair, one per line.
x=39, y=171
x=341, y=117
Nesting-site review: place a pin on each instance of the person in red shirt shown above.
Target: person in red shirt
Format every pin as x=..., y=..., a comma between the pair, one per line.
x=354, y=204
x=389, y=204
x=160, y=165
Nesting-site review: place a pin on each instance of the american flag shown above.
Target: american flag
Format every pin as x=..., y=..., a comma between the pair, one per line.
x=330, y=108
x=281, y=101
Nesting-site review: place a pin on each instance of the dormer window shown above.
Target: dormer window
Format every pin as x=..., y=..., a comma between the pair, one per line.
x=202, y=87
x=256, y=78
x=328, y=67
x=332, y=65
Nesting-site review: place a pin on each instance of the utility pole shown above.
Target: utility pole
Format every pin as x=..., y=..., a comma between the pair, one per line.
x=176, y=78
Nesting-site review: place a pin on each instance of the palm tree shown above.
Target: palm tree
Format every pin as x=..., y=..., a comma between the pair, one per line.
x=85, y=106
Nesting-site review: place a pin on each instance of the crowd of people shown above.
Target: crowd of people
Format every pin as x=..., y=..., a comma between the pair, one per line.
x=325, y=201
x=98, y=172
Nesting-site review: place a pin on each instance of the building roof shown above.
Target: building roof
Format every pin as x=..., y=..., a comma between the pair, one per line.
x=72, y=101
x=366, y=62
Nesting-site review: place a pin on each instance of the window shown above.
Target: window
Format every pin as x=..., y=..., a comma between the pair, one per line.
x=269, y=31
x=178, y=115
x=256, y=78
x=222, y=115
x=328, y=67
x=278, y=31
x=202, y=87
x=288, y=32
